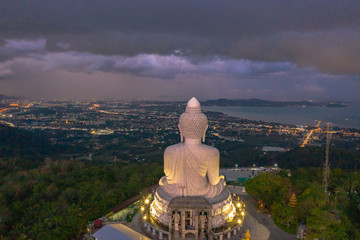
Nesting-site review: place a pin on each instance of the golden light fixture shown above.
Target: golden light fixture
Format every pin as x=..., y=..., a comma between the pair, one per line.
x=147, y=201
x=239, y=221
x=142, y=208
x=145, y=217
x=242, y=213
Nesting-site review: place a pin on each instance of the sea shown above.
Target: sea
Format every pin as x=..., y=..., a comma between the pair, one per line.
x=344, y=117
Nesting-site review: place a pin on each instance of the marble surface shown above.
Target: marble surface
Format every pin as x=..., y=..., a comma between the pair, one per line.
x=192, y=168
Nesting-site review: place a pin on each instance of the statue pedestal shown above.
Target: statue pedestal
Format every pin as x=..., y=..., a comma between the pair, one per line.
x=220, y=208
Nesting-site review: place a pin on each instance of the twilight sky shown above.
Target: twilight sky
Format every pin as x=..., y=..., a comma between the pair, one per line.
x=176, y=49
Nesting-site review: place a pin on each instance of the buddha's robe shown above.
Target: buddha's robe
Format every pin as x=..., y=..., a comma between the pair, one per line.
x=192, y=171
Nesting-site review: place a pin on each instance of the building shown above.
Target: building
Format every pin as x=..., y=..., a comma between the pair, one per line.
x=118, y=232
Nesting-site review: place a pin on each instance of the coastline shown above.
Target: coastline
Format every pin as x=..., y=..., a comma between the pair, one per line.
x=348, y=117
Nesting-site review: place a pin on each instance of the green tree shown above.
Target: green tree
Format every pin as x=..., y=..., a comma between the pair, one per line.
x=317, y=221
x=313, y=197
x=284, y=215
x=269, y=187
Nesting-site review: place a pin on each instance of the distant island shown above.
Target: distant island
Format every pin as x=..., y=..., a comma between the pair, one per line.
x=253, y=102
x=5, y=97
x=265, y=103
x=2, y=97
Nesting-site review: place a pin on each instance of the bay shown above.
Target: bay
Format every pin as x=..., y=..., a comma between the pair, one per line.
x=346, y=117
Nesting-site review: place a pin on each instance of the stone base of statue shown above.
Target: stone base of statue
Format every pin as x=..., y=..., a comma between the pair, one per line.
x=193, y=213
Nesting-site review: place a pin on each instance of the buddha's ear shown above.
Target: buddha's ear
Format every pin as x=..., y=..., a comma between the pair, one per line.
x=181, y=135
x=203, y=137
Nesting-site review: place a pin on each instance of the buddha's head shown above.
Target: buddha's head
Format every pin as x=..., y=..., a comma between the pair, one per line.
x=192, y=123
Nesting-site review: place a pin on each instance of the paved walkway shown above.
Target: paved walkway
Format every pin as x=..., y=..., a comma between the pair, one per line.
x=136, y=223
x=257, y=221
x=258, y=231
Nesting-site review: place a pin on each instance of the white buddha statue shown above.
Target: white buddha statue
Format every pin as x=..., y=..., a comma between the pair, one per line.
x=192, y=168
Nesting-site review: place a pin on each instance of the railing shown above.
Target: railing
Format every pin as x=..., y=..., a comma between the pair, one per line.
x=227, y=233
x=153, y=231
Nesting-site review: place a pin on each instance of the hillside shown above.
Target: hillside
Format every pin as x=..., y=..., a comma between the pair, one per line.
x=30, y=147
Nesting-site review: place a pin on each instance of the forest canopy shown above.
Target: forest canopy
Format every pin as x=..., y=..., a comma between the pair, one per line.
x=300, y=197
x=56, y=200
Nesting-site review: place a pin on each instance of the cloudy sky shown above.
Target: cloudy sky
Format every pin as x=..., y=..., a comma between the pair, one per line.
x=175, y=49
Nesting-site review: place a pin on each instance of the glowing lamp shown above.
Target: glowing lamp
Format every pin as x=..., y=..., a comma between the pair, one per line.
x=145, y=217
x=242, y=213
x=238, y=205
x=147, y=201
x=142, y=209
x=239, y=221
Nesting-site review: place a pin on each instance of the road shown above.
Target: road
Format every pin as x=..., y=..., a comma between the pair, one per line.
x=261, y=221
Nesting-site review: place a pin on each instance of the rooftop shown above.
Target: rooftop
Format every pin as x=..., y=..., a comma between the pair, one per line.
x=118, y=232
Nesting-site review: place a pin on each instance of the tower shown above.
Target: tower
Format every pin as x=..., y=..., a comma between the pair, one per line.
x=326, y=169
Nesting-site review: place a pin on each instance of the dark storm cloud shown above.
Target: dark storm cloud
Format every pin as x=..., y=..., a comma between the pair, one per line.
x=18, y=47
x=224, y=19
x=289, y=49
x=145, y=65
x=334, y=51
x=317, y=33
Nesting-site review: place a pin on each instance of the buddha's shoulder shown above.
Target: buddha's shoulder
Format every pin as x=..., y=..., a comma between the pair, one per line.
x=209, y=149
x=173, y=148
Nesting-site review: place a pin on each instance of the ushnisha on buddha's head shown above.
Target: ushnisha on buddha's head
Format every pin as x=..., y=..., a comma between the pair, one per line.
x=193, y=123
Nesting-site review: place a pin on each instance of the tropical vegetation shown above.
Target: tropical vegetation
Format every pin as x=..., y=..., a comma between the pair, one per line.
x=57, y=199
x=334, y=214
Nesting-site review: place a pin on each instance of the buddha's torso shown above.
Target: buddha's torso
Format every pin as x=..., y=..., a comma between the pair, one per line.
x=191, y=170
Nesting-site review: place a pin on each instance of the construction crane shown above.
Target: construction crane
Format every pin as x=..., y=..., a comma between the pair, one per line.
x=326, y=169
